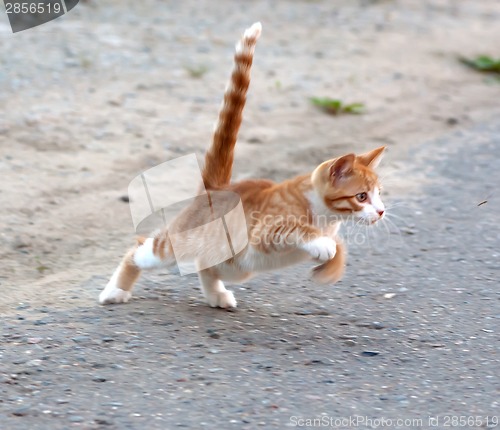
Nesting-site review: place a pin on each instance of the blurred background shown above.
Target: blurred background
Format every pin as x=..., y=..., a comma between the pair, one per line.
x=113, y=88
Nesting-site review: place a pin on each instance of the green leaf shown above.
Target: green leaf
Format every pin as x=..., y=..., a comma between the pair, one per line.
x=336, y=106
x=196, y=72
x=42, y=268
x=355, y=108
x=482, y=63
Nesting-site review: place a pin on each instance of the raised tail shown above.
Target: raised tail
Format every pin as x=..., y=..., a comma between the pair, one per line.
x=220, y=155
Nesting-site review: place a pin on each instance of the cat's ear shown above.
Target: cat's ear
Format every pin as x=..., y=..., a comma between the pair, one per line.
x=342, y=166
x=372, y=158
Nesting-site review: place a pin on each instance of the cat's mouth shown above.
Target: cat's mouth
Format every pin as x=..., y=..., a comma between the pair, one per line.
x=377, y=219
x=370, y=221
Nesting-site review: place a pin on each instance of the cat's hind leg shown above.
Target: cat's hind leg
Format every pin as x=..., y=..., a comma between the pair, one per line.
x=145, y=255
x=214, y=290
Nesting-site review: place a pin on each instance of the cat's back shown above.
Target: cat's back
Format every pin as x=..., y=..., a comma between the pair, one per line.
x=250, y=186
x=253, y=192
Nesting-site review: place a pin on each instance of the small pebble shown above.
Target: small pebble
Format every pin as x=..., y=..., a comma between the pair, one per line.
x=348, y=336
x=213, y=334
x=22, y=411
x=80, y=339
x=377, y=325
x=23, y=306
x=114, y=404
x=102, y=422
x=254, y=139
x=76, y=418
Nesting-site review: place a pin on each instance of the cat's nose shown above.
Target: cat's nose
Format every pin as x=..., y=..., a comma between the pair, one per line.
x=381, y=213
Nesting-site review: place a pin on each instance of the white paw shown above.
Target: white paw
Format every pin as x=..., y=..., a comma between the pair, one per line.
x=113, y=294
x=222, y=299
x=323, y=248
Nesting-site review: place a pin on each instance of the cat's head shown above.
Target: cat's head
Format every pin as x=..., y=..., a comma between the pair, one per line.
x=349, y=186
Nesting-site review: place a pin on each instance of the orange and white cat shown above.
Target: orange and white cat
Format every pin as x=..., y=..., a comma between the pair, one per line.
x=286, y=223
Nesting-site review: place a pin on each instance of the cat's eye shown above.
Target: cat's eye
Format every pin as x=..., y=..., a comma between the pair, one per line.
x=362, y=197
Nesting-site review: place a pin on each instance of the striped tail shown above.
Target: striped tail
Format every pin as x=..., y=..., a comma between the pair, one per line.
x=220, y=155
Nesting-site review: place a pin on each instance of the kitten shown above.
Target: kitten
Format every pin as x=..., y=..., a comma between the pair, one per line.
x=286, y=223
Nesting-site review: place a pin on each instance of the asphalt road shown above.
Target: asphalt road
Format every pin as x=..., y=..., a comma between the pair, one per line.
x=411, y=333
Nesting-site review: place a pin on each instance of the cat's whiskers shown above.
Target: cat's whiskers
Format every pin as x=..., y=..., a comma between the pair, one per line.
x=396, y=231
x=384, y=222
x=388, y=222
x=390, y=216
x=393, y=205
x=363, y=228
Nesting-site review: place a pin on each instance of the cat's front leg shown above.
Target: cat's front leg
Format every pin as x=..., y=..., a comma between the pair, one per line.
x=332, y=270
x=322, y=248
x=285, y=237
